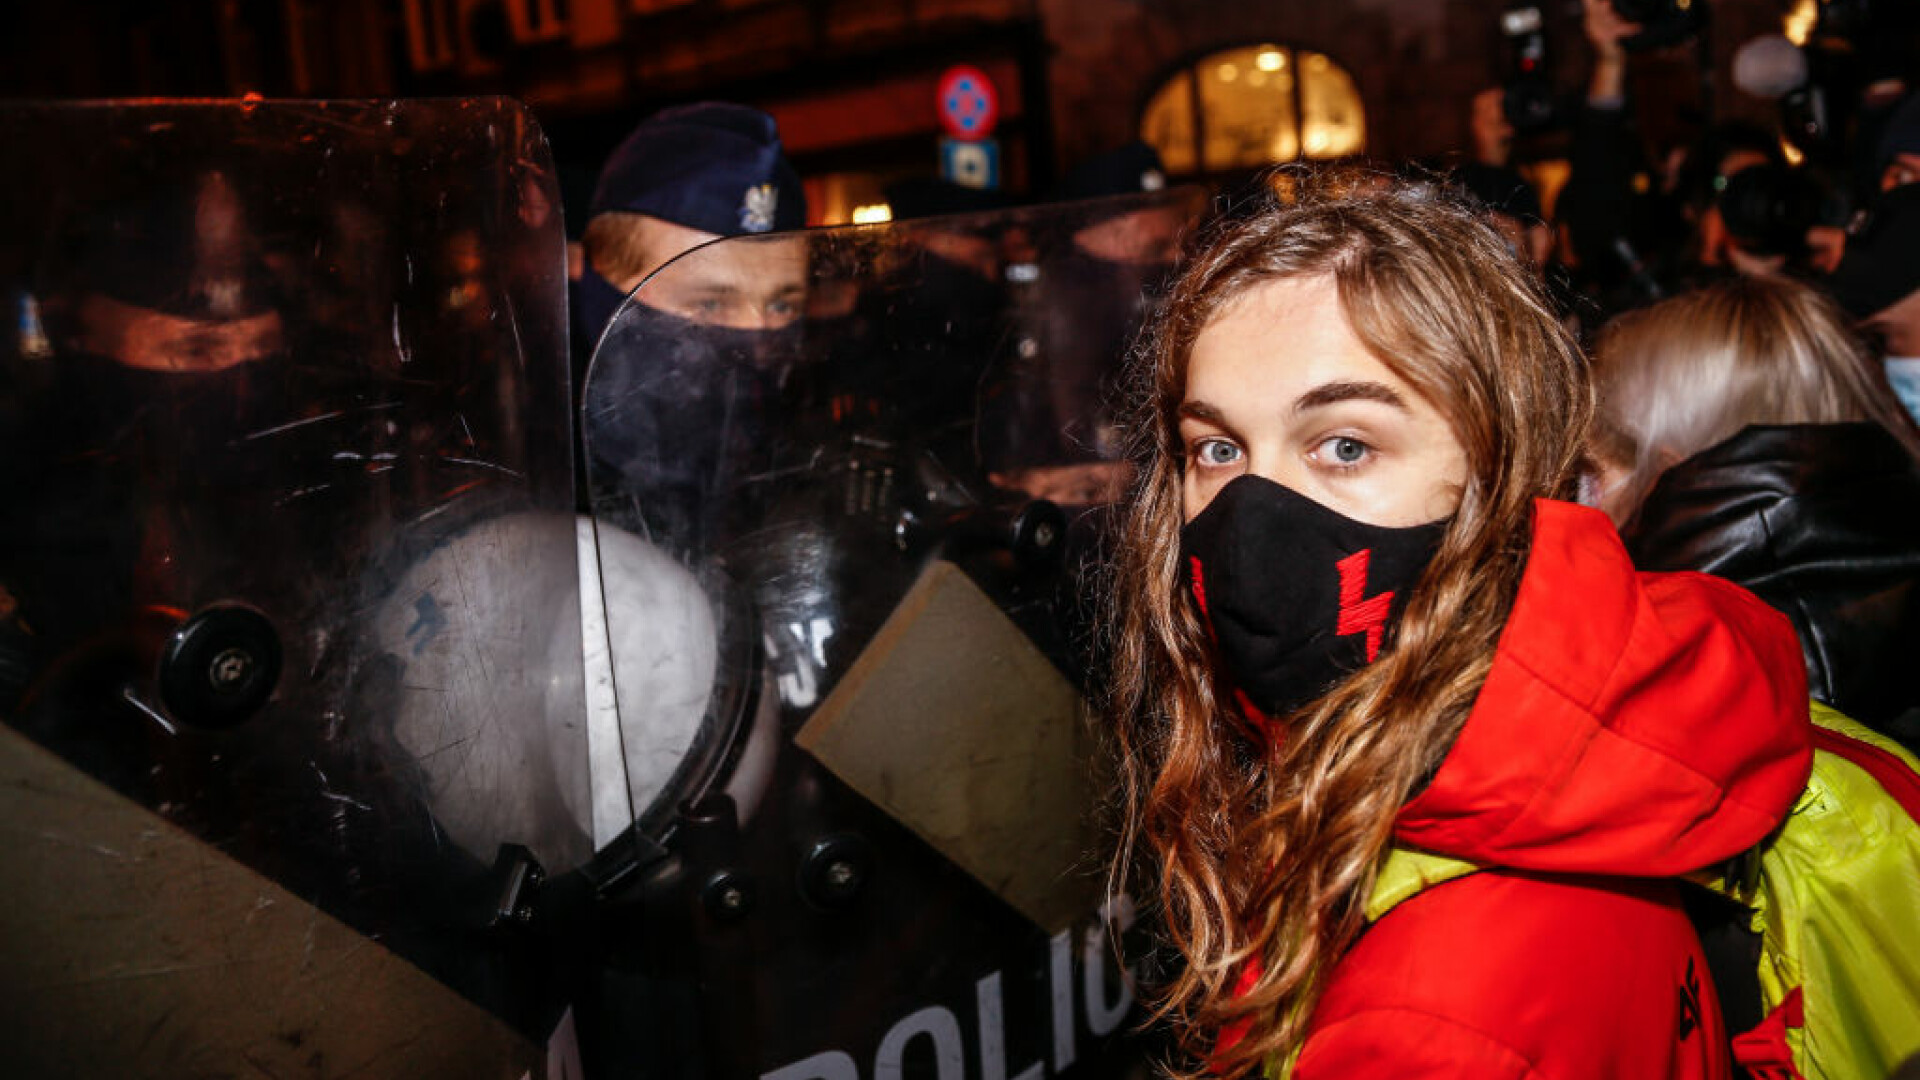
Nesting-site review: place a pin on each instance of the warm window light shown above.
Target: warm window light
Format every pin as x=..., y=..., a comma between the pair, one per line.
x=872, y=214
x=1801, y=20
x=1253, y=106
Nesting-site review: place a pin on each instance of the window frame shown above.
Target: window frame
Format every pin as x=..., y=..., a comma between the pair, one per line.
x=1195, y=63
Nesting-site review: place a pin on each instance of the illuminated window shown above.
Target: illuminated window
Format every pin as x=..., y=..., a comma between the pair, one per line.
x=1256, y=105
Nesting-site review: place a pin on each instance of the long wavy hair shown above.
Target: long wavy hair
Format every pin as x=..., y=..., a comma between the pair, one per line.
x=1266, y=843
x=1688, y=373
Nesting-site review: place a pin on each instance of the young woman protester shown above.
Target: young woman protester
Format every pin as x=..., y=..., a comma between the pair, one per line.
x=1414, y=750
x=1744, y=430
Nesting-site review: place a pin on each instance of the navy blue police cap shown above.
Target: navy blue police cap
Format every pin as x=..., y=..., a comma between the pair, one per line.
x=710, y=166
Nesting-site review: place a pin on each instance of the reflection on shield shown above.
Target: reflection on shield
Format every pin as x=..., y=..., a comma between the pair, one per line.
x=877, y=849
x=290, y=570
x=305, y=687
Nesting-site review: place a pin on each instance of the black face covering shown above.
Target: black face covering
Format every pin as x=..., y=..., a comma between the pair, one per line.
x=191, y=429
x=677, y=413
x=1296, y=595
x=594, y=301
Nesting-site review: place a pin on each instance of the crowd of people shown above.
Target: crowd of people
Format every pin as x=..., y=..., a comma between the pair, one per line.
x=1421, y=716
x=1428, y=761
x=1414, y=740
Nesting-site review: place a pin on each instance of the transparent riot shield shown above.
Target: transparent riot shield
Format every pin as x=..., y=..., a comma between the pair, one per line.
x=849, y=488
x=290, y=564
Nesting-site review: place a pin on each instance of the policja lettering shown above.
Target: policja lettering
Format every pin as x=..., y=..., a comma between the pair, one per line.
x=937, y=1035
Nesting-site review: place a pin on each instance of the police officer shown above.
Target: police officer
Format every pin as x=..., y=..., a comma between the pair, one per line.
x=684, y=177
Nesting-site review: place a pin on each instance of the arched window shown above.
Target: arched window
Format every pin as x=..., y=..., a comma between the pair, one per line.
x=1256, y=105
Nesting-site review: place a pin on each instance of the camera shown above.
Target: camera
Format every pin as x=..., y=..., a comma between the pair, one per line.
x=1528, y=92
x=1854, y=44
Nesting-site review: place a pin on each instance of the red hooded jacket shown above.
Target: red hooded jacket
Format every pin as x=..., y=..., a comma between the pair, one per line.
x=1633, y=726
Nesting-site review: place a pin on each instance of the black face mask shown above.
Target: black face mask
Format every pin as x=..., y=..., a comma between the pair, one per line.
x=1297, y=596
x=678, y=414
x=594, y=301
x=191, y=430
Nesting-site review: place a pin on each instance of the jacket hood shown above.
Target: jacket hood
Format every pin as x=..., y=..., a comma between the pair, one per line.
x=1766, y=502
x=1822, y=521
x=1631, y=724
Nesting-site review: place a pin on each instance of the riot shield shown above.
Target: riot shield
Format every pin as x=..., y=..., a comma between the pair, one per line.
x=290, y=561
x=846, y=531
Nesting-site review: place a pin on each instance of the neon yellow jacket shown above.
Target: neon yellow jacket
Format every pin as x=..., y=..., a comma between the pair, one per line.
x=1837, y=904
x=1836, y=900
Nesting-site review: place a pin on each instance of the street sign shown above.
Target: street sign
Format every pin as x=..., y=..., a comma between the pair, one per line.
x=969, y=105
x=973, y=163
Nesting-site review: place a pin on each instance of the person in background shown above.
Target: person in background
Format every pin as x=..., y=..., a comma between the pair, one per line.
x=1617, y=238
x=684, y=177
x=684, y=384
x=1878, y=282
x=1893, y=161
x=1637, y=234
x=1744, y=431
x=1395, y=716
x=1899, y=157
x=1513, y=208
x=684, y=380
x=1491, y=130
x=1491, y=178
x=1080, y=318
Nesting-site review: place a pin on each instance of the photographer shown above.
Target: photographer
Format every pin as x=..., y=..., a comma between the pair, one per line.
x=1613, y=236
x=1879, y=284
x=1512, y=204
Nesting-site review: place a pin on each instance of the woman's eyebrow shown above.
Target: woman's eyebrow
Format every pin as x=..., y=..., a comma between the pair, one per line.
x=1335, y=392
x=1201, y=411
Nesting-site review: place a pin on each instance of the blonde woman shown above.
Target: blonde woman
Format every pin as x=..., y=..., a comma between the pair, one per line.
x=1411, y=748
x=1744, y=431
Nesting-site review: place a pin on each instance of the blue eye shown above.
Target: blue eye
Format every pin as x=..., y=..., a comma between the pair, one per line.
x=1343, y=452
x=1216, y=452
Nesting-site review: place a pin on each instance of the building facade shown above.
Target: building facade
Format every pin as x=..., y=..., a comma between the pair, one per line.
x=853, y=82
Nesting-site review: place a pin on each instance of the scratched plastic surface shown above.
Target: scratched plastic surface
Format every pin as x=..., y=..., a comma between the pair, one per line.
x=304, y=361
x=782, y=433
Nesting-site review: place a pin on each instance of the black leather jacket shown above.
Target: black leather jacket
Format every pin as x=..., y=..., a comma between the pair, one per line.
x=1822, y=521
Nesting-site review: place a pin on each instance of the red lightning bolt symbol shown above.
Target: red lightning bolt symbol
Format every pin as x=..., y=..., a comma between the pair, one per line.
x=1357, y=611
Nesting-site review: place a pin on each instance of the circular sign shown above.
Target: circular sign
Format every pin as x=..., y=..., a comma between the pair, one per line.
x=969, y=107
